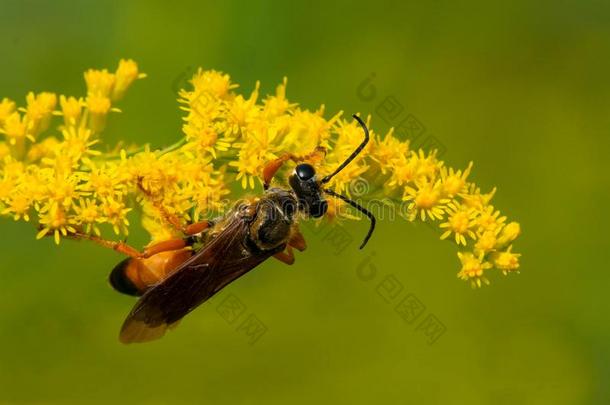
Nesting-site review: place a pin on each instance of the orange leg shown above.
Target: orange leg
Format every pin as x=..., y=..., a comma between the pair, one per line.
x=297, y=241
x=272, y=167
x=197, y=227
x=122, y=247
x=287, y=256
x=164, y=246
x=172, y=219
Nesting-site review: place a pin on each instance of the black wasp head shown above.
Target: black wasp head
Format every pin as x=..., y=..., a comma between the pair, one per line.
x=305, y=171
x=307, y=189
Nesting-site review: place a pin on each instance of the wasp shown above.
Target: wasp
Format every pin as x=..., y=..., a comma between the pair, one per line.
x=174, y=277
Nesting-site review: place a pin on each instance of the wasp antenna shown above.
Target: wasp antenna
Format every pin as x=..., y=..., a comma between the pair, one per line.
x=351, y=157
x=359, y=208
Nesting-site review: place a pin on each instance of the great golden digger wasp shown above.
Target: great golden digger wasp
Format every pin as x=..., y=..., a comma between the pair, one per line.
x=174, y=277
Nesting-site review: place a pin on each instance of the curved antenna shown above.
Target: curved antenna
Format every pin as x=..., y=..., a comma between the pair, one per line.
x=359, y=208
x=355, y=153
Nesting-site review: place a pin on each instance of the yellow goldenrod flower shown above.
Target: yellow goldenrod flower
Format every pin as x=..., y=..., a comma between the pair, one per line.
x=215, y=83
x=6, y=109
x=15, y=129
x=4, y=150
x=473, y=268
x=486, y=242
x=115, y=213
x=38, y=112
x=125, y=75
x=403, y=171
x=490, y=220
x=53, y=173
x=18, y=206
x=99, y=107
x=53, y=219
x=509, y=233
x=454, y=182
x=473, y=197
x=389, y=152
x=426, y=200
x=99, y=82
x=88, y=215
x=460, y=222
x=71, y=109
x=506, y=261
x=276, y=106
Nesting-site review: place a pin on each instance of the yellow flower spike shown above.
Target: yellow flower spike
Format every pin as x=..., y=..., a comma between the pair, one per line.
x=66, y=184
x=473, y=268
x=507, y=261
x=125, y=75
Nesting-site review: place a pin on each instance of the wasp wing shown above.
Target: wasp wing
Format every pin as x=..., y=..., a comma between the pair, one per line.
x=224, y=259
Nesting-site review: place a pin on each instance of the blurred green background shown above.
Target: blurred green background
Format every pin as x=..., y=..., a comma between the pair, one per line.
x=521, y=89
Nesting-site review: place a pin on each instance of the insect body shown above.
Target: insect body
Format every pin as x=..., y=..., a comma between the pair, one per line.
x=173, y=278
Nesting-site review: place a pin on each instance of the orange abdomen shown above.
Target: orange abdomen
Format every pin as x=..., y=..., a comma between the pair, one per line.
x=136, y=276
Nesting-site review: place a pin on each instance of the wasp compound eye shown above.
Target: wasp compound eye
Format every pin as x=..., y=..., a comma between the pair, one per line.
x=305, y=171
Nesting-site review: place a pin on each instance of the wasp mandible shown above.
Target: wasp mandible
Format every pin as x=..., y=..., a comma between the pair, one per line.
x=173, y=277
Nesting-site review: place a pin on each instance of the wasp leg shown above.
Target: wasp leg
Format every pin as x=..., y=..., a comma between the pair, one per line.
x=272, y=167
x=122, y=247
x=297, y=241
x=172, y=219
x=287, y=256
x=197, y=227
x=163, y=246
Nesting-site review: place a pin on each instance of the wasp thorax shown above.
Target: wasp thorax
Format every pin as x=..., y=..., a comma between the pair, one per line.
x=271, y=226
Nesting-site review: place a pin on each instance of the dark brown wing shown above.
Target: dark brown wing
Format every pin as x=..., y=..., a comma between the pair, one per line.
x=222, y=260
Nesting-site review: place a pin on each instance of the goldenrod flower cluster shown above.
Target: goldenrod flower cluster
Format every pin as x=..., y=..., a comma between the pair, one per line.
x=52, y=171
